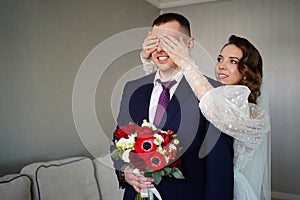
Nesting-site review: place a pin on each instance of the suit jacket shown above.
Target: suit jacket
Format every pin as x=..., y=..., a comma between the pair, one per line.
x=208, y=178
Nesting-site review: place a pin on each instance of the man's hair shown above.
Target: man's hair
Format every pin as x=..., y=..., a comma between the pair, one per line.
x=168, y=17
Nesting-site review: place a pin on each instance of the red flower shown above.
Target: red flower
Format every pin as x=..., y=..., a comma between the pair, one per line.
x=156, y=161
x=145, y=145
x=137, y=160
x=176, y=163
x=124, y=131
x=167, y=138
x=144, y=132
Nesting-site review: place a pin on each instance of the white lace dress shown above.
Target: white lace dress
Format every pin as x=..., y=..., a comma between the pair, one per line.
x=227, y=107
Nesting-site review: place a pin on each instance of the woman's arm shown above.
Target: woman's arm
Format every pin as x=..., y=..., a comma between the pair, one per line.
x=226, y=107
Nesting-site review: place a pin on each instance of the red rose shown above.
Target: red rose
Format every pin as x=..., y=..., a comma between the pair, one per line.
x=176, y=163
x=136, y=160
x=145, y=145
x=124, y=131
x=156, y=161
x=120, y=133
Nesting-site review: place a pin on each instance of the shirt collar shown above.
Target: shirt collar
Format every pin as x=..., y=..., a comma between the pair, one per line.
x=177, y=77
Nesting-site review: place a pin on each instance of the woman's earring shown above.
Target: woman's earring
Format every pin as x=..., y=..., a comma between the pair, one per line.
x=244, y=78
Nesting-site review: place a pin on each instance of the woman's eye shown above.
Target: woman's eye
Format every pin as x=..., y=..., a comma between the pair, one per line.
x=234, y=62
x=219, y=59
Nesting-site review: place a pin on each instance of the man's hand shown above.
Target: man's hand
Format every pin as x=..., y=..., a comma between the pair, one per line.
x=149, y=46
x=137, y=182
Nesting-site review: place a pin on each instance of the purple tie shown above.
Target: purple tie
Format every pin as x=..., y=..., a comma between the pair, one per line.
x=163, y=101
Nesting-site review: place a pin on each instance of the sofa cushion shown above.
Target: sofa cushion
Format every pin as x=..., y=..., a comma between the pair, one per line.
x=107, y=180
x=71, y=178
x=15, y=187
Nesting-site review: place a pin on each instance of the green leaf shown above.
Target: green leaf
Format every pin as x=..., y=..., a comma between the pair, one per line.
x=162, y=173
x=157, y=177
x=177, y=173
x=167, y=170
x=116, y=154
x=148, y=174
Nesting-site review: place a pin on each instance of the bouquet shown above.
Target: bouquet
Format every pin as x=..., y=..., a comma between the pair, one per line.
x=150, y=150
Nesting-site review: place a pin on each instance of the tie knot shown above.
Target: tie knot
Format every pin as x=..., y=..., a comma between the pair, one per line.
x=167, y=84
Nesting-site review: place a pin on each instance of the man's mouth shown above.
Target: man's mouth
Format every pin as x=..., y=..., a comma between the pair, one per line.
x=162, y=58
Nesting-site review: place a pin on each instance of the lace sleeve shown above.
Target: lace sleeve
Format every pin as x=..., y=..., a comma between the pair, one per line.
x=228, y=109
x=148, y=66
x=196, y=80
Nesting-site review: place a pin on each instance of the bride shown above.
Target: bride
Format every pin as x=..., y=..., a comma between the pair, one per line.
x=232, y=108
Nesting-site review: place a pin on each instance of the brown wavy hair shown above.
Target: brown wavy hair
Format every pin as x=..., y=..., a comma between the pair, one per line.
x=250, y=66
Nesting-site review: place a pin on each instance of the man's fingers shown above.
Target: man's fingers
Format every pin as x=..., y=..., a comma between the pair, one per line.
x=150, y=43
x=150, y=46
x=138, y=190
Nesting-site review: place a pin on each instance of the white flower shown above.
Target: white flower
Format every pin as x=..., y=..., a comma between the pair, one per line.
x=148, y=124
x=158, y=139
x=176, y=141
x=125, y=156
x=121, y=144
x=161, y=150
x=172, y=146
x=126, y=144
x=167, y=159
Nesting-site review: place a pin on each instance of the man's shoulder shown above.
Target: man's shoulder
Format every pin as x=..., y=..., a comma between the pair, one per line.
x=140, y=82
x=148, y=79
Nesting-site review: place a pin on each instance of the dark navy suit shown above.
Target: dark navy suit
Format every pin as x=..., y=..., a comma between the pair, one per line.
x=208, y=178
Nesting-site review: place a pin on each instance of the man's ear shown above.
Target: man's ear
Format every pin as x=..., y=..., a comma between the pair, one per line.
x=191, y=43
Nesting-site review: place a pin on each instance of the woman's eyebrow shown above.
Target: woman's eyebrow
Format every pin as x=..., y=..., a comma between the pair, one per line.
x=233, y=57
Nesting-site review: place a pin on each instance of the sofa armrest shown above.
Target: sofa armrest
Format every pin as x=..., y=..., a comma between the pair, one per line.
x=107, y=179
x=15, y=186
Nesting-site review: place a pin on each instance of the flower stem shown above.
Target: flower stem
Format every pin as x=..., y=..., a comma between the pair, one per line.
x=138, y=197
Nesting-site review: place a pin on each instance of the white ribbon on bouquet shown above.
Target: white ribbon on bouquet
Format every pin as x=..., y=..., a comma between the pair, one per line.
x=147, y=192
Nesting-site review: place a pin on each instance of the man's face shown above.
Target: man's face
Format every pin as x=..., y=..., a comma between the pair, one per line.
x=160, y=57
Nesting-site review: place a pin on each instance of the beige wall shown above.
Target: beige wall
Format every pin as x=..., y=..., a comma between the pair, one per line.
x=43, y=44
x=273, y=26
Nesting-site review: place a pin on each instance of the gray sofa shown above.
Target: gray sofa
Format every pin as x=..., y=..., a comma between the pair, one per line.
x=76, y=178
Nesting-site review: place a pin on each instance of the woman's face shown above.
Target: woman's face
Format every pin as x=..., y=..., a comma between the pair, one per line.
x=226, y=70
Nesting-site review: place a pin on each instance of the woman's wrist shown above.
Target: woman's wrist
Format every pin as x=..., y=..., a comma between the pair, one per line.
x=185, y=65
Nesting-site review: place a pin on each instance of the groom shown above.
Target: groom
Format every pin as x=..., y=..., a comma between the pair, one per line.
x=206, y=178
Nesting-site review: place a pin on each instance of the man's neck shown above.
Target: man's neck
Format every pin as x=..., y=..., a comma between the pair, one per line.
x=167, y=75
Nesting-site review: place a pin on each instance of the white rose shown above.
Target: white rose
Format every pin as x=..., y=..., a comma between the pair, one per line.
x=158, y=139
x=125, y=156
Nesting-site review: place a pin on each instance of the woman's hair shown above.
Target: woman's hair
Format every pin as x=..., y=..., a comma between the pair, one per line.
x=250, y=66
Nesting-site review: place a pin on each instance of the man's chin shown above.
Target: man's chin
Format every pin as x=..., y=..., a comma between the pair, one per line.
x=164, y=68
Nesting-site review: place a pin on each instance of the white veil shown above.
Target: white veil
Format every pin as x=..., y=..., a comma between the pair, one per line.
x=258, y=171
